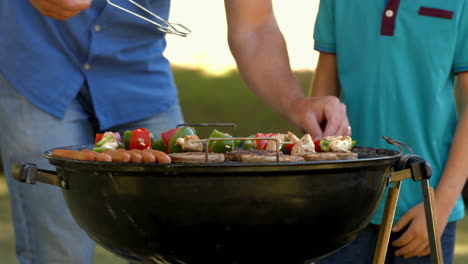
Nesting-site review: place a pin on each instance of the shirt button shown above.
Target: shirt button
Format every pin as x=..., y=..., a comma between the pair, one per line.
x=97, y=28
x=87, y=66
x=389, y=13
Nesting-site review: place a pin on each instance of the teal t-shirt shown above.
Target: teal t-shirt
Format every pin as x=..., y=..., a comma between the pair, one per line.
x=396, y=63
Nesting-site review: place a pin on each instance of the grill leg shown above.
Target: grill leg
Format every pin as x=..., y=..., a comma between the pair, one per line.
x=386, y=227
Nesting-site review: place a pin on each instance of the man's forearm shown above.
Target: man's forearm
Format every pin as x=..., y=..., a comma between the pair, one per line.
x=263, y=61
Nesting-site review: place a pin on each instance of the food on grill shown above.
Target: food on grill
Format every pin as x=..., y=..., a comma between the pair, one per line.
x=196, y=157
x=237, y=154
x=169, y=142
x=73, y=154
x=146, y=157
x=258, y=156
x=172, y=147
x=255, y=158
x=107, y=140
x=184, y=146
x=282, y=138
x=321, y=156
x=336, y=144
x=304, y=146
x=221, y=146
x=134, y=156
x=118, y=156
x=139, y=138
x=160, y=156
x=346, y=155
x=190, y=143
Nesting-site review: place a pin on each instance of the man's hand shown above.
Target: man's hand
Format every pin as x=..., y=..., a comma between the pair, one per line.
x=414, y=242
x=61, y=9
x=320, y=116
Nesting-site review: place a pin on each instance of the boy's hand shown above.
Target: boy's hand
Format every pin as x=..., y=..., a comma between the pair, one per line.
x=61, y=9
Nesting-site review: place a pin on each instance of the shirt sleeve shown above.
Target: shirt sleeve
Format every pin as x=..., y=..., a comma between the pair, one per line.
x=324, y=29
x=460, y=63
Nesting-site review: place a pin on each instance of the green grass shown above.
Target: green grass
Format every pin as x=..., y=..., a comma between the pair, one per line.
x=206, y=98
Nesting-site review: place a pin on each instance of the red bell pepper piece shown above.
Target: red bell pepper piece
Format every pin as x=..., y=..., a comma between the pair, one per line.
x=317, y=145
x=166, y=136
x=262, y=143
x=140, y=139
x=289, y=147
x=98, y=137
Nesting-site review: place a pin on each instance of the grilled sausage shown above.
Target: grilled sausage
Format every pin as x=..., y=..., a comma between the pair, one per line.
x=118, y=156
x=146, y=157
x=101, y=157
x=73, y=154
x=160, y=156
x=134, y=156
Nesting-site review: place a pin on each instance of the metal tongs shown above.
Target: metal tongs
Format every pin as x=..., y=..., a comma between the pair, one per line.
x=164, y=25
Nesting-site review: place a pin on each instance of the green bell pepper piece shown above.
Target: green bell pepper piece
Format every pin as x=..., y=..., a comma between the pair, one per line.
x=158, y=145
x=126, y=138
x=324, y=145
x=99, y=149
x=104, y=140
x=249, y=144
x=222, y=146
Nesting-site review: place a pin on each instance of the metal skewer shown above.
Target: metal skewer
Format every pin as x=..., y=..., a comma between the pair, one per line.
x=164, y=25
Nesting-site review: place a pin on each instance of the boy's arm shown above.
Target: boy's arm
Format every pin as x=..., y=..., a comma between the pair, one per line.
x=414, y=242
x=325, y=80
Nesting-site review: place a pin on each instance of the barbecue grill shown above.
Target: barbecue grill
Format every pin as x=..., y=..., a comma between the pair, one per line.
x=233, y=212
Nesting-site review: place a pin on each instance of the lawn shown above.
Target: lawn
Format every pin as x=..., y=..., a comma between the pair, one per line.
x=206, y=98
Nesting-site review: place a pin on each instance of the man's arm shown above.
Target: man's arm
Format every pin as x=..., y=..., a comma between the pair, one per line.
x=260, y=51
x=61, y=9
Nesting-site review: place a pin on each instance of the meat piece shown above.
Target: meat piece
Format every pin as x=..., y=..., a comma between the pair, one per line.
x=304, y=146
x=339, y=143
x=118, y=156
x=196, y=157
x=146, y=157
x=190, y=143
x=237, y=155
x=160, y=156
x=253, y=158
x=321, y=156
x=292, y=138
x=73, y=154
x=271, y=145
x=134, y=156
x=346, y=155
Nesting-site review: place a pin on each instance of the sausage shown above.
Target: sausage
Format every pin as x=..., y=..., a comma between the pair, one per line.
x=161, y=157
x=101, y=157
x=147, y=157
x=134, y=156
x=118, y=156
x=73, y=154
